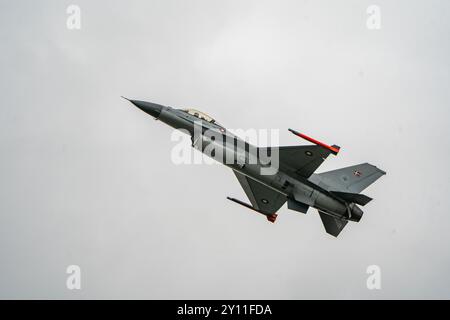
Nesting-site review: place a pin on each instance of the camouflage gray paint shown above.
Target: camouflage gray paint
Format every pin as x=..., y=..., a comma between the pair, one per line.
x=275, y=175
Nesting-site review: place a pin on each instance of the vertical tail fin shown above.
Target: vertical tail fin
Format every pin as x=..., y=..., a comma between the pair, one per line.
x=352, y=179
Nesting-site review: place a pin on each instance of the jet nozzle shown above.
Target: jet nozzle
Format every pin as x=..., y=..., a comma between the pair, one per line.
x=356, y=213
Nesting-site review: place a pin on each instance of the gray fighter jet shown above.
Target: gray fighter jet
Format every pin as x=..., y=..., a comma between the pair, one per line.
x=275, y=175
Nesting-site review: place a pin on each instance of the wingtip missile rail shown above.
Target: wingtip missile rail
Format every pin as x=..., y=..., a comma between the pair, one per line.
x=334, y=148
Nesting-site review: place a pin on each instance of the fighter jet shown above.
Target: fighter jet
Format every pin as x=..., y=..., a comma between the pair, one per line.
x=272, y=176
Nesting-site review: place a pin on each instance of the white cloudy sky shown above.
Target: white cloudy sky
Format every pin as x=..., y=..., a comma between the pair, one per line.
x=87, y=179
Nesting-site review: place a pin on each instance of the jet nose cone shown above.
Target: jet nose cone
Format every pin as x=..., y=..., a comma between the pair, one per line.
x=152, y=109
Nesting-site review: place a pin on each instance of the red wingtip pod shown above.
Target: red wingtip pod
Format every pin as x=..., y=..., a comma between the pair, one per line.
x=334, y=149
x=272, y=217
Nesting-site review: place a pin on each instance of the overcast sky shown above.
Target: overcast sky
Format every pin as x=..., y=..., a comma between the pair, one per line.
x=87, y=179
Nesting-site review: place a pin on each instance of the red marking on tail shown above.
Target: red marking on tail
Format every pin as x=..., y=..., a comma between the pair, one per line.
x=272, y=218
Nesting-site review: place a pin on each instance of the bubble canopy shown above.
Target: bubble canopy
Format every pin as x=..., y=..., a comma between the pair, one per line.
x=200, y=115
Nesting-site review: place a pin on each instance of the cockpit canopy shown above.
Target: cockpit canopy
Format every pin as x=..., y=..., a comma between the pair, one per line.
x=200, y=115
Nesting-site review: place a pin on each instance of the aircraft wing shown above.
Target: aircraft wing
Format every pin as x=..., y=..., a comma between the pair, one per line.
x=301, y=160
x=263, y=198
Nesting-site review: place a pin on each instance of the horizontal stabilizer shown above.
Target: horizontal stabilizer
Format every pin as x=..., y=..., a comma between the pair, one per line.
x=332, y=225
x=357, y=198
